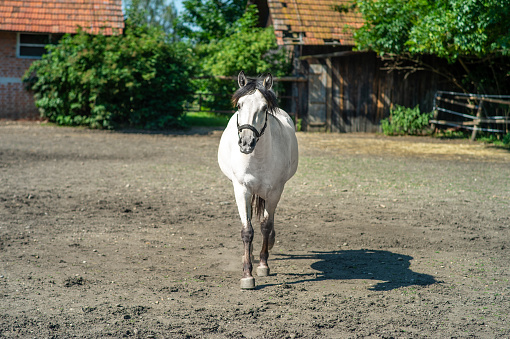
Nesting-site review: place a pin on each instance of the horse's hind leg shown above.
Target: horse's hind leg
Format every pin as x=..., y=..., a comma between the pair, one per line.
x=271, y=240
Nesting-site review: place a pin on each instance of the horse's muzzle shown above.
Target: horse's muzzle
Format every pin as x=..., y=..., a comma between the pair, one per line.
x=247, y=143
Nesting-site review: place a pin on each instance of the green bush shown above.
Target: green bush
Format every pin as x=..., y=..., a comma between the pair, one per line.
x=132, y=80
x=495, y=139
x=506, y=139
x=404, y=120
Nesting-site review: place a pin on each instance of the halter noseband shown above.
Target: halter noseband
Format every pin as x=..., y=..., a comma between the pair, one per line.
x=251, y=128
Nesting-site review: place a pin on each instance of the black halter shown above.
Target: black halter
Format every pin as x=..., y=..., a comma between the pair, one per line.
x=251, y=128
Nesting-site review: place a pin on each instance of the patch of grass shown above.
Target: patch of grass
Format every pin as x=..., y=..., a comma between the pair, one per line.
x=206, y=119
x=450, y=134
x=495, y=139
x=485, y=137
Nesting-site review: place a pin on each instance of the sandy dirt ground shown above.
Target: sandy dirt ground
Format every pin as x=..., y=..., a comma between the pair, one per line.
x=122, y=234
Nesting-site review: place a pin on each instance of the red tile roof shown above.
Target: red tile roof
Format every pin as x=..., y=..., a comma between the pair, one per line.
x=62, y=16
x=312, y=22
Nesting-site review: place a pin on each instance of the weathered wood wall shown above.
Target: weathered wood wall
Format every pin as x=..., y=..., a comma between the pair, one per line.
x=351, y=93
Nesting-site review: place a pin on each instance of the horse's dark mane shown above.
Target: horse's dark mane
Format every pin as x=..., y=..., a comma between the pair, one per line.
x=253, y=84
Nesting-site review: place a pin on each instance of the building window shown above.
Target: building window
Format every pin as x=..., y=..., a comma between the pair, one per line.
x=31, y=45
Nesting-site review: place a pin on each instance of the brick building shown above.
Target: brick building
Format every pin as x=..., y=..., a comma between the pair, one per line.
x=26, y=26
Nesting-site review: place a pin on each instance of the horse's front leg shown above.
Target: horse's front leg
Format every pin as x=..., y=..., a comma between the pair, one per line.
x=243, y=200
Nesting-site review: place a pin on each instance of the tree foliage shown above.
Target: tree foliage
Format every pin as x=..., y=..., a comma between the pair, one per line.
x=153, y=13
x=136, y=80
x=206, y=20
x=473, y=33
x=235, y=46
x=450, y=29
x=244, y=47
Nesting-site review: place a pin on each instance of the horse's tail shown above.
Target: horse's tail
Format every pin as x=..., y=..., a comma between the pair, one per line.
x=258, y=205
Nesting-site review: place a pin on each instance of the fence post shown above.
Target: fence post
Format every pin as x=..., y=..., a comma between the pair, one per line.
x=436, y=112
x=479, y=116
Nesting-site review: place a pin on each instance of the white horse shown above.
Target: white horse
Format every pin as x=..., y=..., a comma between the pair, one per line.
x=258, y=152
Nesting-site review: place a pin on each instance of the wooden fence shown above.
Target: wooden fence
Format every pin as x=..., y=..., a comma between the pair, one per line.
x=487, y=113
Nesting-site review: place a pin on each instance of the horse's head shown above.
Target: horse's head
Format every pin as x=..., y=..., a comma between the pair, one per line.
x=254, y=100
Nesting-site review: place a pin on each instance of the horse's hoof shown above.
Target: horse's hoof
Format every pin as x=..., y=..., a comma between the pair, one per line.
x=262, y=271
x=248, y=283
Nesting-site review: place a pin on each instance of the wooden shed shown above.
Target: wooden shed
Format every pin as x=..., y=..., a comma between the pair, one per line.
x=346, y=90
x=27, y=26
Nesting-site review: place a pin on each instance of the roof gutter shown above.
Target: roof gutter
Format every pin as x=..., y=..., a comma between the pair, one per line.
x=329, y=55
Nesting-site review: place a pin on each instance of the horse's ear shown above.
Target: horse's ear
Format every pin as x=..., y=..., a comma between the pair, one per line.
x=268, y=81
x=241, y=79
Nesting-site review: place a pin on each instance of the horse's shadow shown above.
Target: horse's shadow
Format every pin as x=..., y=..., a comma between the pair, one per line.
x=392, y=270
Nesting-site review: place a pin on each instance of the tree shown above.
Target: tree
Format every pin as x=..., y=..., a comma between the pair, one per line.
x=225, y=46
x=205, y=20
x=472, y=33
x=245, y=47
x=153, y=13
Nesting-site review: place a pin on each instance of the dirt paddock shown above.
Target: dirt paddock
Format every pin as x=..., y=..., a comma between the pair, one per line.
x=110, y=234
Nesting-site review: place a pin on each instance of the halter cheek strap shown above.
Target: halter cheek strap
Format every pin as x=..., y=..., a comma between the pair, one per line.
x=251, y=128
